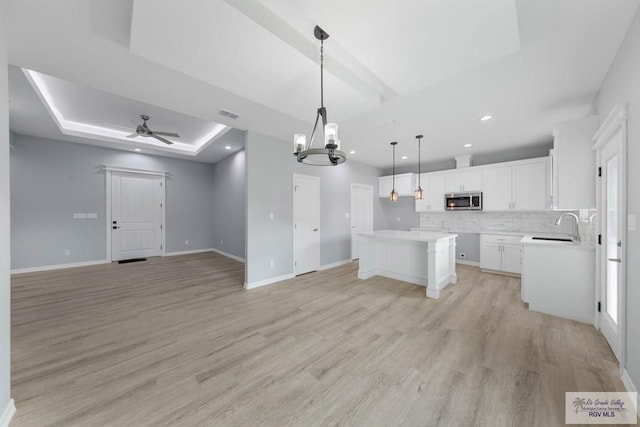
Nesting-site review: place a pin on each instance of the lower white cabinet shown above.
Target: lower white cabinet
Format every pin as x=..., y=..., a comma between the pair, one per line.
x=501, y=253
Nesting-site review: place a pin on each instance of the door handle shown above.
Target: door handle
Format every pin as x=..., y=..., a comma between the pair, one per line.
x=614, y=259
x=315, y=229
x=114, y=227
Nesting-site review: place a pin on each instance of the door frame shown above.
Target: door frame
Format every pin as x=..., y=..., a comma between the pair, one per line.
x=616, y=120
x=108, y=174
x=366, y=187
x=293, y=217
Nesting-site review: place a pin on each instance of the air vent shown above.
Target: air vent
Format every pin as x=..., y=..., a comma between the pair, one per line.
x=229, y=114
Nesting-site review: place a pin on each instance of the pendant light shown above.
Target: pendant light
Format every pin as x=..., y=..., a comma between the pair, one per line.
x=394, y=195
x=330, y=155
x=419, y=192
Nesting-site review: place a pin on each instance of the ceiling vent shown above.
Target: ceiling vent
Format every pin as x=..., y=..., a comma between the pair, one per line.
x=229, y=114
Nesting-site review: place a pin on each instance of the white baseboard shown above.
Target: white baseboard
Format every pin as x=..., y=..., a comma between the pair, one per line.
x=58, y=266
x=465, y=262
x=228, y=255
x=335, y=264
x=7, y=414
x=270, y=281
x=630, y=386
x=193, y=251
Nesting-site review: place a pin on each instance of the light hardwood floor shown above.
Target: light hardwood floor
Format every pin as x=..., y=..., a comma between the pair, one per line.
x=177, y=341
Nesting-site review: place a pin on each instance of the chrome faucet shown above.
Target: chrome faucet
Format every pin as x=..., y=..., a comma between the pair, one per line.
x=559, y=220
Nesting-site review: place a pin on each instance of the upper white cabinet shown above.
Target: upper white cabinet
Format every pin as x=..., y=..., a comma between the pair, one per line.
x=574, y=164
x=521, y=185
x=463, y=180
x=405, y=185
x=433, y=186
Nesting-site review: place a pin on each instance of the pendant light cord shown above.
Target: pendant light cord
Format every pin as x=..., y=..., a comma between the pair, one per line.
x=394, y=168
x=322, y=73
x=418, y=162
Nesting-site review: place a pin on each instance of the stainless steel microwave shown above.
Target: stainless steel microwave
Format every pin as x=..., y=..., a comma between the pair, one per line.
x=471, y=201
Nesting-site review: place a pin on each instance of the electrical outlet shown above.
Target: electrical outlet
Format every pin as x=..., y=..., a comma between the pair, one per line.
x=271, y=216
x=67, y=252
x=186, y=242
x=221, y=242
x=398, y=219
x=271, y=263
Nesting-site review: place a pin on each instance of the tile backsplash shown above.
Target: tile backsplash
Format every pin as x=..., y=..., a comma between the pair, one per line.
x=525, y=222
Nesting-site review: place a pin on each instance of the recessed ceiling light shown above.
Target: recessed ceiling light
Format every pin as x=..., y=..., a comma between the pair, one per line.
x=485, y=118
x=467, y=145
x=404, y=157
x=137, y=150
x=227, y=147
x=352, y=152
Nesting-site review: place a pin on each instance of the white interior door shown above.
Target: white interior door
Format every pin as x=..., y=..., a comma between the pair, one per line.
x=361, y=214
x=612, y=211
x=136, y=215
x=306, y=223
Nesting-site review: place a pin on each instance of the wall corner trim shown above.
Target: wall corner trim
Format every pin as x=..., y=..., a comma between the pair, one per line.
x=58, y=267
x=630, y=386
x=269, y=281
x=7, y=414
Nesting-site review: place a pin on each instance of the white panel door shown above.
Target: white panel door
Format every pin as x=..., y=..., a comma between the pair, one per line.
x=496, y=193
x=306, y=223
x=136, y=215
x=530, y=186
x=611, y=198
x=361, y=214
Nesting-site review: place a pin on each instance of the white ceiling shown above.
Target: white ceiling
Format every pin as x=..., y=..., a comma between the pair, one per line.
x=393, y=69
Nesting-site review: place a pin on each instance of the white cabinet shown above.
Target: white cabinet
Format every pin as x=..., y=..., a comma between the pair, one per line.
x=501, y=253
x=519, y=185
x=405, y=185
x=574, y=164
x=433, y=187
x=466, y=180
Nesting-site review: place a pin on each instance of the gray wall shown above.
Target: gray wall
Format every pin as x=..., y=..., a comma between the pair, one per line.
x=622, y=85
x=5, y=248
x=270, y=169
x=229, y=204
x=50, y=180
x=400, y=215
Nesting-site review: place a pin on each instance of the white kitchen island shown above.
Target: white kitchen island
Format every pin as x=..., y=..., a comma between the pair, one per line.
x=424, y=258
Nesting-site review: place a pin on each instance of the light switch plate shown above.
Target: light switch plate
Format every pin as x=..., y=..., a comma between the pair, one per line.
x=92, y=215
x=632, y=222
x=79, y=216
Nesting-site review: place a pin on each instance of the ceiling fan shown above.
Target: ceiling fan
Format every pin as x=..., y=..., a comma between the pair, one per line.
x=143, y=130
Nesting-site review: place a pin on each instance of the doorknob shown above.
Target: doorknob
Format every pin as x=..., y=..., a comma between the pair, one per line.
x=315, y=229
x=614, y=259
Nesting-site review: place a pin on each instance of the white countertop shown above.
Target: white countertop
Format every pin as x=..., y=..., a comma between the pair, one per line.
x=528, y=240
x=415, y=236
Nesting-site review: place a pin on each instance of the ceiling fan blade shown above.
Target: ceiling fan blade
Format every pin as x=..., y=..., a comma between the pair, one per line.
x=175, y=135
x=159, y=138
x=133, y=135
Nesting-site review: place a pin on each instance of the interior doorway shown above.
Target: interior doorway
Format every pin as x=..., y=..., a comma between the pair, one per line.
x=361, y=214
x=306, y=223
x=611, y=194
x=135, y=214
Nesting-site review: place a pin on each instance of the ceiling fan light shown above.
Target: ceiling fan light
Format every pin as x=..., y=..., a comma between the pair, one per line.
x=299, y=143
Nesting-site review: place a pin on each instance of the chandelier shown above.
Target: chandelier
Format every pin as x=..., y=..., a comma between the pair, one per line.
x=330, y=155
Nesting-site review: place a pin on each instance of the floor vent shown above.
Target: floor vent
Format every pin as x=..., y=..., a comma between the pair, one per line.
x=127, y=261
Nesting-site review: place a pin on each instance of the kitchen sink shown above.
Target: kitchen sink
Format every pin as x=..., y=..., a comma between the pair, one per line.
x=553, y=239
